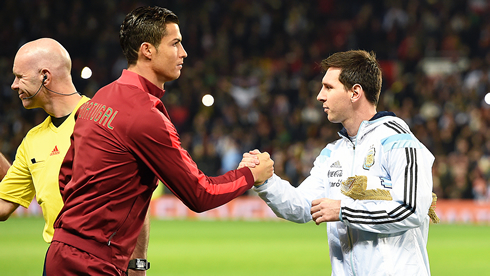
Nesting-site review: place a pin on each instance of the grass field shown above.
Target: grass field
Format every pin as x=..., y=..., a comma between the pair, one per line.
x=182, y=247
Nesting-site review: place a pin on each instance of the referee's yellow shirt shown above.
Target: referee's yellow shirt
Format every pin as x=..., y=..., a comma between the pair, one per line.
x=35, y=170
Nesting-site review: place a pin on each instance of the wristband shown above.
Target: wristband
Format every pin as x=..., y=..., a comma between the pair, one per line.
x=139, y=264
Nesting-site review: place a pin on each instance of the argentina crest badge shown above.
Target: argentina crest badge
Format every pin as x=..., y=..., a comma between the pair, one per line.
x=369, y=159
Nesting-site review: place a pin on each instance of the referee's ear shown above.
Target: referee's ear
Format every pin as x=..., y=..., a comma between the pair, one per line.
x=45, y=76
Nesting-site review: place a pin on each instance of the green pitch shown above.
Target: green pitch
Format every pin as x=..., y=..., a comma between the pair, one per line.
x=246, y=248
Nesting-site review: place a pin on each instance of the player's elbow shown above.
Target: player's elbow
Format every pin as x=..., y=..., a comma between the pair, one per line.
x=6, y=209
x=4, y=216
x=196, y=207
x=293, y=217
x=301, y=220
x=199, y=208
x=415, y=221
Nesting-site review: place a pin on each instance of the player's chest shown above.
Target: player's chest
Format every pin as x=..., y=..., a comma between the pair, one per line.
x=350, y=160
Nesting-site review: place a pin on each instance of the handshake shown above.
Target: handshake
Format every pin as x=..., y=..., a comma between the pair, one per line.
x=261, y=165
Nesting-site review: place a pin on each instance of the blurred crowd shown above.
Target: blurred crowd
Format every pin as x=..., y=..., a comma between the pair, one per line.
x=260, y=59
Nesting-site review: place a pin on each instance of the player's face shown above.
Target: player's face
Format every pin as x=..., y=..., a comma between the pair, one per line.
x=169, y=58
x=334, y=96
x=26, y=82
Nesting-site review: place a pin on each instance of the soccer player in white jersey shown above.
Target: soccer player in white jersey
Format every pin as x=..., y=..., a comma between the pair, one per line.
x=365, y=236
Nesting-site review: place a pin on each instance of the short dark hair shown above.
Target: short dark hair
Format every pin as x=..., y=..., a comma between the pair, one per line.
x=144, y=24
x=357, y=66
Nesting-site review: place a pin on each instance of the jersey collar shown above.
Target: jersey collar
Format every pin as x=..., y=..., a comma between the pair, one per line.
x=131, y=78
x=376, y=116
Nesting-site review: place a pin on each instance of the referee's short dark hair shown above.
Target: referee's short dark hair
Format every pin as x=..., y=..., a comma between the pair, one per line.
x=144, y=24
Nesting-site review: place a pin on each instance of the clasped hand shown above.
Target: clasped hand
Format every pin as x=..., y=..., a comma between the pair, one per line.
x=261, y=165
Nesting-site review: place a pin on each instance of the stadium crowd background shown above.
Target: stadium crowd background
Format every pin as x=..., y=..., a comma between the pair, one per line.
x=260, y=61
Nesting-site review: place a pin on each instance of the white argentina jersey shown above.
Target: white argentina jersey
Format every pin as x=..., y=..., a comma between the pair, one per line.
x=374, y=237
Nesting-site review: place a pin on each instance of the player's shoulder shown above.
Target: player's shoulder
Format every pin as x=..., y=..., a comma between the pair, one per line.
x=388, y=130
x=334, y=144
x=42, y=127
x=83, y=100
x=383, y=126
x=384, y=121
x=394, y=125
x=395, y=133
x=328, y=150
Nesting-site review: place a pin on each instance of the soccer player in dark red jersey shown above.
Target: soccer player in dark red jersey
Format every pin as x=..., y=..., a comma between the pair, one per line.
x=123, y=142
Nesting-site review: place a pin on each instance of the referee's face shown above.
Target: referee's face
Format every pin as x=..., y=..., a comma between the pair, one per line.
x=27, y=81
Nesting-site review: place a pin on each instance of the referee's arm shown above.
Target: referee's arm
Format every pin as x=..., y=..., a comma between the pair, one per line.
x=6, y=209
x=4, y=166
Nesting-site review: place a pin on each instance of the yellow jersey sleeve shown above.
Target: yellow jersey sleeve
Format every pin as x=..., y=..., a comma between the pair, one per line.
x=17, y=185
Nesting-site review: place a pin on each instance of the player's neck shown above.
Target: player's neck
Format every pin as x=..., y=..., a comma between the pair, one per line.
x=61, y=106
x=147, y=73
x=353, y=123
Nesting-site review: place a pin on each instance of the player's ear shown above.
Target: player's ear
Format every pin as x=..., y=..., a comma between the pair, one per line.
x=356, y=92
x=146, y=50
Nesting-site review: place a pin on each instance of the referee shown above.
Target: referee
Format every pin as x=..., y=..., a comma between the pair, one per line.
x=41, y=67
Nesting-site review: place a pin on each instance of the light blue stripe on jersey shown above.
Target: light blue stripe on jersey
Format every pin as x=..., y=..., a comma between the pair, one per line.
x=402, y=140
x=386, y=183
x=326, y=152
x=324, y=155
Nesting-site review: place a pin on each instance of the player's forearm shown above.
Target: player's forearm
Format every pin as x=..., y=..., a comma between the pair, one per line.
x=142, y=242
x=201, y=193
x=383, y=217
x=141, y=248
x=174, y=166
x=4, y=166
x=6, y=209
x=285, y=201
